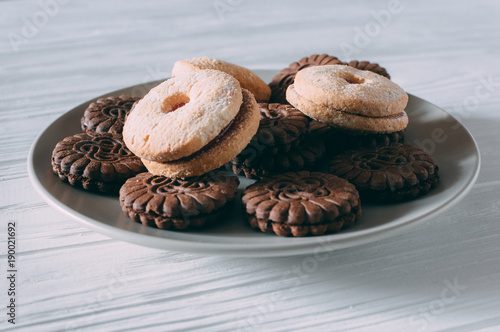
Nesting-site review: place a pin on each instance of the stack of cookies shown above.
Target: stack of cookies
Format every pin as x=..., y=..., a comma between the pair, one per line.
x=361, y=117
x=351, y=101
x=164, y=154
x=282, y=143
x=97, y=159
x=336, y=138
x=183, y=130
x=160, y=153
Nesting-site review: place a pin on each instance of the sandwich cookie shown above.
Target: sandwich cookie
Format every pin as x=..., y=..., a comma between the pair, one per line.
x=349, y=99
x=192, y=124
x=394, y=173
x=246, y=77
x=107, y=115
x=95, y=161
x=285, y=77
x=167, y=203
x=301, y=203
x=282, y=143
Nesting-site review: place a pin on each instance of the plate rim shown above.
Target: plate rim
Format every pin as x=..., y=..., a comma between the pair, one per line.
x=297, y=246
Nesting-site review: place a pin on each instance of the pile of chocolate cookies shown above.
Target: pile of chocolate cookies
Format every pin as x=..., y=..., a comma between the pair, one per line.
x=323, y=136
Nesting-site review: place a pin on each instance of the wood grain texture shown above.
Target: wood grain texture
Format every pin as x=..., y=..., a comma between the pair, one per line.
x=443, y=275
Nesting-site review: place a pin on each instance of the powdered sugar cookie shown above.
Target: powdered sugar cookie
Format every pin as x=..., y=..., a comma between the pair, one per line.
x=231, y=141
x=348, y=98
x=182, y=115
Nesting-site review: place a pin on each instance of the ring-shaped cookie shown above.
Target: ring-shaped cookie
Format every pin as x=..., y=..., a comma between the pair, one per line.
x=182, y=115
x=345, y=120
x=350, y=90
x=218, y=152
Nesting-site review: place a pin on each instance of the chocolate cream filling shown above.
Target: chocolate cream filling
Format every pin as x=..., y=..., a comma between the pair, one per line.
x=390, y=116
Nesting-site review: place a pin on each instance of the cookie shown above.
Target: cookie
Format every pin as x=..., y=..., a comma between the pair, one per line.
x=280, y=125
x=170, y=203
x=350, y=99
x=336, y=140
x=254, y=165
x=246, y=77
x=281, y=130
x=394, y=173
x=107, y=115
x=229, y=143
x=97, y=162
x=373, y=67
x=285, y=77
x=301, y=204
x=182, y=115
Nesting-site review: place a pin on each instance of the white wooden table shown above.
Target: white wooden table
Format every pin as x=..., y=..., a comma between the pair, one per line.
x=442, y=275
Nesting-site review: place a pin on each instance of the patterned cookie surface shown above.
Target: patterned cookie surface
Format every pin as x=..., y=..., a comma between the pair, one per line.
x=278, y=144
x=107, y=115
x=301, y=203
x=280, y=125
x=394, y=173
x=254, y=165
x=170, y=203
x=96, y=162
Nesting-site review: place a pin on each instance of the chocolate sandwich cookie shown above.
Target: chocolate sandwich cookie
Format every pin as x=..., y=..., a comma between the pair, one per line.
x=280, y=125
x=388, y=174
x=107, y=115
x=306, y=156
x=281, y=131
x=301, y=204
x=95, y=161
x=337, y=140
x=285, y=77
x=171, y=203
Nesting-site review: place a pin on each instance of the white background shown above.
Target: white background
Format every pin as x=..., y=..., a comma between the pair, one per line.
x=443, y=275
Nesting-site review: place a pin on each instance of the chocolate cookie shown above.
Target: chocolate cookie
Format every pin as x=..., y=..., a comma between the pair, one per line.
x=337, y=140
x=388, y=174
x=285, y=77
x=96, y=162
x=280, y=125
x=306, y=156
x=170, y=203
x=278, y=144
x=107, y=115
x=301, y=204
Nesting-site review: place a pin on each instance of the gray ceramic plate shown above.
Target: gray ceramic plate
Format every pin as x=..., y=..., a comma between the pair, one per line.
x=452, y=145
